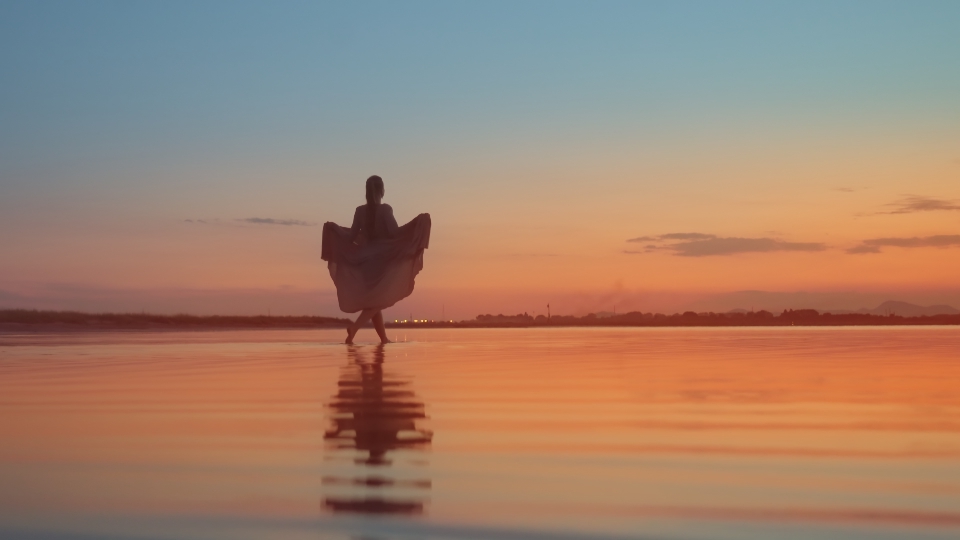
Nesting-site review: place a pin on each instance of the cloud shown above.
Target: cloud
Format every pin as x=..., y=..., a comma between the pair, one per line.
x=845, y=189
x=687, y=236
x=271, y=221
x=731, y=246
x=874, y=245
x=673, y=236
x=706, y=245
x=863, y=248
x=911, y=204
x=251, y=221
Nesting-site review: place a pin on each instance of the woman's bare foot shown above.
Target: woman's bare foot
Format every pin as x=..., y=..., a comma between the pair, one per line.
x=350, y=334
x=384, y=341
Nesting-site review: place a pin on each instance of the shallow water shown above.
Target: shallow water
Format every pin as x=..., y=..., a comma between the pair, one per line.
x=487, y=433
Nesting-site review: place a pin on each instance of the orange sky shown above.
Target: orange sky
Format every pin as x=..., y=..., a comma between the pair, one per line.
x=561, y=233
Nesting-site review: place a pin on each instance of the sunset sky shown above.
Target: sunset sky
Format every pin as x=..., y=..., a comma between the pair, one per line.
x=652, y=156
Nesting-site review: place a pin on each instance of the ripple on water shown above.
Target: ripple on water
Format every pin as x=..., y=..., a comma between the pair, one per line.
x=506, y=433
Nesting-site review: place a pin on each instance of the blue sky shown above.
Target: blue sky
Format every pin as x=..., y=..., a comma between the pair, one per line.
x=94, y=80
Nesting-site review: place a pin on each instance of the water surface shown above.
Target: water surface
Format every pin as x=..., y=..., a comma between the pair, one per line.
x=486, y=433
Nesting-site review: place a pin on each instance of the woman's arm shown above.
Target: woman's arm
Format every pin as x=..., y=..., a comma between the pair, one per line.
x=390, y=222
x=357, y=224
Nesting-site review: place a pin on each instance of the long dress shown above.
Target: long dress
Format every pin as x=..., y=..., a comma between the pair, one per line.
x=374, y=269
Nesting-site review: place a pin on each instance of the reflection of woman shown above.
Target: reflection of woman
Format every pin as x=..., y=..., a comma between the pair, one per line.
x=376, y=411
x=374, y=262
x=373, y=414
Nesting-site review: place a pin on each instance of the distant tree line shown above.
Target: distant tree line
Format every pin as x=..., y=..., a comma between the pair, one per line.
x=789, y=317
x=26, y=318
x=76, y=319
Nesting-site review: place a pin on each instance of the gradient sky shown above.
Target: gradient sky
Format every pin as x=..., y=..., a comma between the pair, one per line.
x=813, y=147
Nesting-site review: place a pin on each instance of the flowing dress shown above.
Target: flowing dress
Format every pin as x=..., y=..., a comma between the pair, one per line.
x=374, y=269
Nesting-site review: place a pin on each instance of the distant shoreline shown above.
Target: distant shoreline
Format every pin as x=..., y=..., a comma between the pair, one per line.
x=35, y=321
x=789, y=317
x=23, y=320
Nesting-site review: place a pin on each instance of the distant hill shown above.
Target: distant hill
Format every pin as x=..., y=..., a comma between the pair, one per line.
x=890, y=307
x=904, y=309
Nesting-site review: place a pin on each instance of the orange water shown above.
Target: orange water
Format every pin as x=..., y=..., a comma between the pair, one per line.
x=514, y=433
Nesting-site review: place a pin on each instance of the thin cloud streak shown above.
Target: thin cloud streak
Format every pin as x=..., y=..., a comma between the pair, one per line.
x=707, y=245
x=731, y=246
x=687, y=236
x=874, y=245
x=863, y=248
x=673, y=236
x=912, y=204
x=271, y=221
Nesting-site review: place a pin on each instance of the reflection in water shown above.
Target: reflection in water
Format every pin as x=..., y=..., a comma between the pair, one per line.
x=561, y=433
x=373, y=414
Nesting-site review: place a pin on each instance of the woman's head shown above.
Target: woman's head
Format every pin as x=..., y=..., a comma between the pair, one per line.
x=374, y=189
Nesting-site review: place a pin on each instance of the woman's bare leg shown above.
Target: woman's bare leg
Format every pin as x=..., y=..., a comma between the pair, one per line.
x=362, y=319
x=378, y=324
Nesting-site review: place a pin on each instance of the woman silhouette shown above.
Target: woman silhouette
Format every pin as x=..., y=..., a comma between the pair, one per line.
x=374, y=262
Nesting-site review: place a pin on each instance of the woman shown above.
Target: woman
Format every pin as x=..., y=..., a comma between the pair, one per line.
x=374, y=262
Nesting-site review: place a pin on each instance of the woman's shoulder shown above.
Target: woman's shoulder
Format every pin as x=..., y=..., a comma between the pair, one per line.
x=385, y=206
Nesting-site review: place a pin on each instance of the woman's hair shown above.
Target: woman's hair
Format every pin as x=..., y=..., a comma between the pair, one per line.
x=374, y=189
